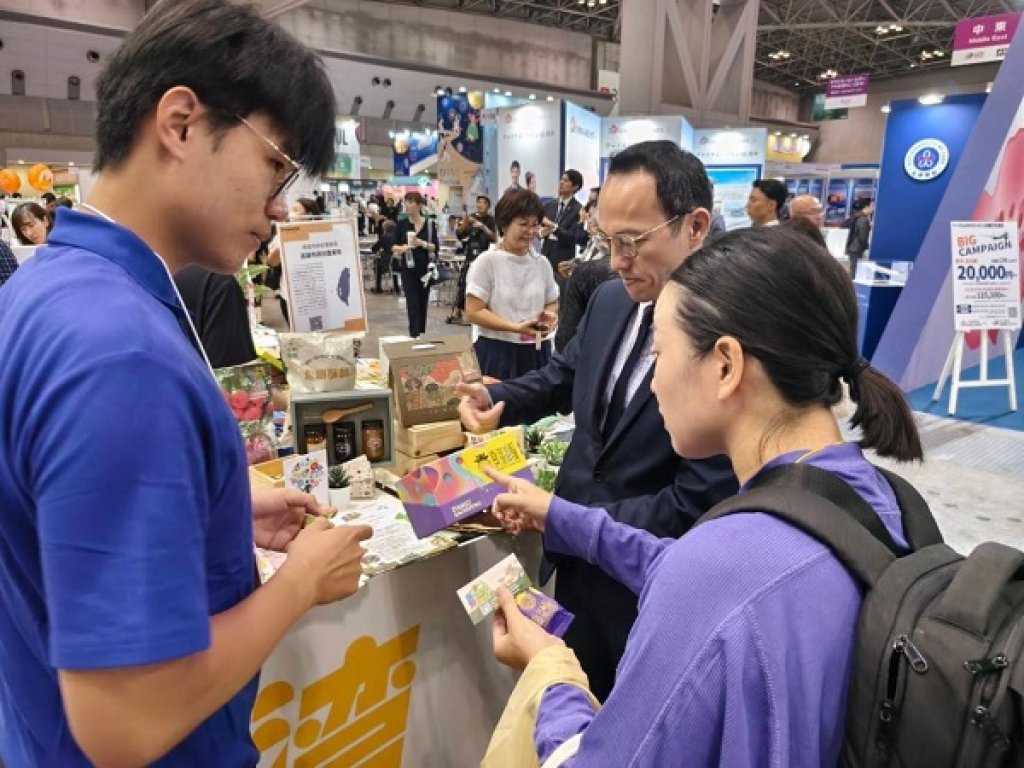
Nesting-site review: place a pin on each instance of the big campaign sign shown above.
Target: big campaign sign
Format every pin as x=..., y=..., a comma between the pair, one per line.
x=986, y=270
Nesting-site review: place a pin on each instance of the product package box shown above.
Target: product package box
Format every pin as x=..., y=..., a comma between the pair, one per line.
x=455, y=487
x=424, y=374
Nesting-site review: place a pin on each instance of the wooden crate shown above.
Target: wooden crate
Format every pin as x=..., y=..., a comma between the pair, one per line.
x=424, y=439
x=267, y=474
x=404, y=463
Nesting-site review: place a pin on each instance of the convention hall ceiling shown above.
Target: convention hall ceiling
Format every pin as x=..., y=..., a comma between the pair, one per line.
x=798, y=41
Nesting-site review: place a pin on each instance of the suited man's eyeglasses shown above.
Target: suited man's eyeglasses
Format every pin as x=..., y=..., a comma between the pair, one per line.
x=627, y=246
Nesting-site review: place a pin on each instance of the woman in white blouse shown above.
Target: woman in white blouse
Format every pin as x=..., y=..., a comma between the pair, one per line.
x=511, y=294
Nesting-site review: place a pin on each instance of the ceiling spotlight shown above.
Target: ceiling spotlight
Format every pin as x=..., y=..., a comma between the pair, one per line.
x=439, y=91
x=386, y=82
x=886, y=109
x=778, y=133
x=375, y=81
x=533, y=97
x=551, y=98
x=391, y=134
x=895, y=28
x=806, y=136
x=508, y=93
x=792, y=135
x=938, y=54
x=881, y=30
x=497, y=90
x=988, y=87
x=462, y=89
x=930, y=99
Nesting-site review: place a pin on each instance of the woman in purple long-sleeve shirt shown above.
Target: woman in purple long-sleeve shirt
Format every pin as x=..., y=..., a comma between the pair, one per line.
x=741, y=653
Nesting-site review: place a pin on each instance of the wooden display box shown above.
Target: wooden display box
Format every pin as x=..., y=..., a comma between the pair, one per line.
x=424, y=439
x=404, y=463
x=267, y=474
x=307, y=409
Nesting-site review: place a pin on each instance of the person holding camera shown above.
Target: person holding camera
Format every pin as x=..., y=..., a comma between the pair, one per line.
x=511, y=294
x=476, y=231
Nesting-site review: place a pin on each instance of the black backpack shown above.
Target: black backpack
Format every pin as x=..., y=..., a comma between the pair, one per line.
x=937, y=677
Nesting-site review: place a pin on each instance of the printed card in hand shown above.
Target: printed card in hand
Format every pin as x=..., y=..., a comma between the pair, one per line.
x=480, y=596
x=308, y=473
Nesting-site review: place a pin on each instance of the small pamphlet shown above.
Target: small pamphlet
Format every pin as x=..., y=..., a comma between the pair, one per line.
x=308, y=473
x=480, y=597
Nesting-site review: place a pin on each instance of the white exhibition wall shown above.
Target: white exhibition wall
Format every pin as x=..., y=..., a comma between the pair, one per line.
x=582, y=133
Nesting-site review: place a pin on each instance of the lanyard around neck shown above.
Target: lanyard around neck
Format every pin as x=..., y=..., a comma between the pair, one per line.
x=174, y=287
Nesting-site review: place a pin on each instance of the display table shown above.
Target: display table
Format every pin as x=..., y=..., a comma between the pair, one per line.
x=396, y=675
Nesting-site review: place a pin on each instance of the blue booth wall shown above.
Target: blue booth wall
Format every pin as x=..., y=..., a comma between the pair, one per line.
x=905, y=206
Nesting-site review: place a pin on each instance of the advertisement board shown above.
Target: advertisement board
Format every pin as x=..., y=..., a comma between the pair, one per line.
x=529, y=148
x=732, y=188
x=734, y=146
x=617, y=133
x=461, y=144
x=414, y=152
x=847, y=91
x=986, y=274
x=976, y=41
x=346, y=150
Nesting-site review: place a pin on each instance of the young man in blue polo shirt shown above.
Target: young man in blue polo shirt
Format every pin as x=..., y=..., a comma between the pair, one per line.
x=131, y=628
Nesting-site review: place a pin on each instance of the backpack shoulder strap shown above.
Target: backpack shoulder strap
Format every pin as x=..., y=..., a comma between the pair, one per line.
x=824, y=510
x=830, y=486
x=919, y=525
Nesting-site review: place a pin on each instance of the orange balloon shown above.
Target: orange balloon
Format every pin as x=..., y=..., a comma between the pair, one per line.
x=10, y=182
x=40, y=177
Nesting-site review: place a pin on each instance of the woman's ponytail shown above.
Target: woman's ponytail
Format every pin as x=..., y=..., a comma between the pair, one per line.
x=882, y=413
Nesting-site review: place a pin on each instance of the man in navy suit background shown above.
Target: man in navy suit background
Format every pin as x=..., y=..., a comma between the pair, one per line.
x=654, y=212
x=561, y=225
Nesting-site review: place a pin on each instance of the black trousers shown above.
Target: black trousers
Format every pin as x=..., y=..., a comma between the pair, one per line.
x=417, y=296
x=605, y=612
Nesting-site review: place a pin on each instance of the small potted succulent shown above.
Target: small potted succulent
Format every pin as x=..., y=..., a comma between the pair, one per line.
x=534, y=439
x=339, y=492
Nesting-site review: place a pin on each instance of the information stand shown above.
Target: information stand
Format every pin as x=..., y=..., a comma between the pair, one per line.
x=986, y=298
x=954, y=361
x=323, y=270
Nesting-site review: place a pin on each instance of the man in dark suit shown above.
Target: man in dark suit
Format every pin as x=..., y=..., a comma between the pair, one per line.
x=561, y=227
x=654, y=213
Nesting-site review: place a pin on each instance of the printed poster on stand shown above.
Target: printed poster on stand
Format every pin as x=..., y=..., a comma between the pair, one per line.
x=986, y=275
x=324, y=275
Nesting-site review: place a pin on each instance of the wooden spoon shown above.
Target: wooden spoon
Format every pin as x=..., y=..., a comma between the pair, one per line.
x=332, y=415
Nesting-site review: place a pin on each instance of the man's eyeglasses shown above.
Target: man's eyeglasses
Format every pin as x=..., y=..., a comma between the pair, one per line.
x=627, y=246
x=285, y=177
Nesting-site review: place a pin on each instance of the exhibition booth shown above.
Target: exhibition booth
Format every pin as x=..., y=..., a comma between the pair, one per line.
x=949, y=201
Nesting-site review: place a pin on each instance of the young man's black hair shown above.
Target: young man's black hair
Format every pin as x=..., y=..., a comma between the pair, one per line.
x=235, y=62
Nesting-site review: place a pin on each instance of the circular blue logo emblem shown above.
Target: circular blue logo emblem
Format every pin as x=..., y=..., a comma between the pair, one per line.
x=926, y=159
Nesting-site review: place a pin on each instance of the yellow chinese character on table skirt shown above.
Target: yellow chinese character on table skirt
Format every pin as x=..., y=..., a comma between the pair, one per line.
x=356, y=714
